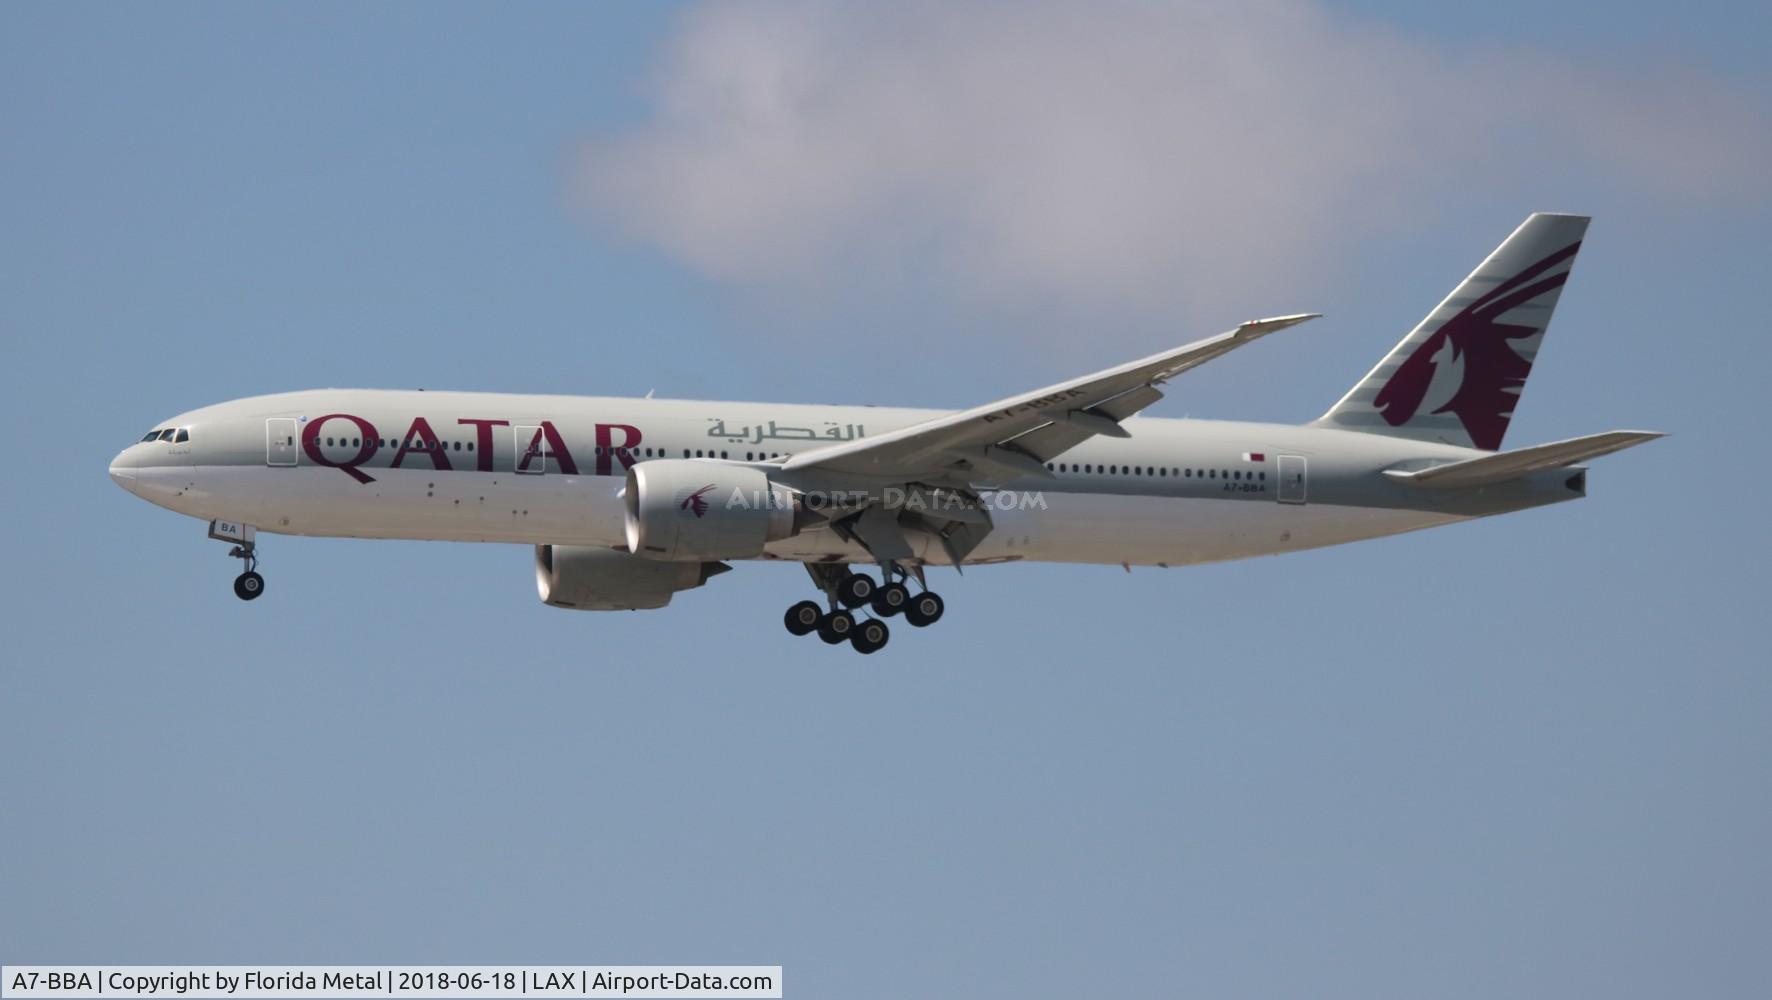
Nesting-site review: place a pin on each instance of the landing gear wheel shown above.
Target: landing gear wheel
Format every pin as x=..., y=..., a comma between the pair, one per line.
x=869, y=636
x=802, y=618
x=925, y=609
x=248, y=585
x=891, y=599
x=836, y=626
x=855, y=590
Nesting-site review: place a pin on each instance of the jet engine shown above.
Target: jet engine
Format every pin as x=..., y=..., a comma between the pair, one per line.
x=597, y=579
x=686, y=510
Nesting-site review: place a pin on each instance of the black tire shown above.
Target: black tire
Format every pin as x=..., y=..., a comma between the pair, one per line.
x=248, y=586
x=802, y=618
x=869, y=636
x=836, y=626
x=855, y=590
x=891, y=599
x=925, y=609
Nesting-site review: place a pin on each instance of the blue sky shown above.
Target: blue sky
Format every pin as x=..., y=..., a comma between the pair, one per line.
x=1526, y=756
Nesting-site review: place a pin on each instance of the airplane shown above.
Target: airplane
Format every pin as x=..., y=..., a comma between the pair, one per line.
x=628, y=502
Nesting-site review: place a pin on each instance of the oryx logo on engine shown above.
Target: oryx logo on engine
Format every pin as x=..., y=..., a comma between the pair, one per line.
x=694, y=501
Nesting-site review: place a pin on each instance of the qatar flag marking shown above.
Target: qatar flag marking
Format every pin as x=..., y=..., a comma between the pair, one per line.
x=1254, y=456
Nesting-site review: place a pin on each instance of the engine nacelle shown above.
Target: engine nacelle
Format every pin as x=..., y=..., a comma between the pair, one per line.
x=597, y=579
x=682, y=510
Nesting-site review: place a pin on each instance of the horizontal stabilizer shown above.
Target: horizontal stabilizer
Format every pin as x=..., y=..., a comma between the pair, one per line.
x=1507, y=465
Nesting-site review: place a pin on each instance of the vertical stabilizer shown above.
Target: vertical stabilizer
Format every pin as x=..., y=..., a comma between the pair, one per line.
x=1458, y=375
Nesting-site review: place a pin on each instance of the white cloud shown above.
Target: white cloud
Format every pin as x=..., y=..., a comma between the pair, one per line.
x=1128, y=158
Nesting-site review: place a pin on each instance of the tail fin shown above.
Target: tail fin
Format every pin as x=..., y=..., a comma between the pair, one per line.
x=1458, y=375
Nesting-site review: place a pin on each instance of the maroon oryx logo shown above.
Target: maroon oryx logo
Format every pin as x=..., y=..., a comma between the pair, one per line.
x=696, y=502
x=1493, y=372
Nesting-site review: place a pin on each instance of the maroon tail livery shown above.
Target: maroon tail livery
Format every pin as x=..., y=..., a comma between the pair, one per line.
x=1458, y=375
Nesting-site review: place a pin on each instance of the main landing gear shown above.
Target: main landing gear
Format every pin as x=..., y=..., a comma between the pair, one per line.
x=846, y=590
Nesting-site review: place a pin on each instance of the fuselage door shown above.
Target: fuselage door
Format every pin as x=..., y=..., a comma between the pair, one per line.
x=532, y=450
x=1292, y=479
x=280, y=446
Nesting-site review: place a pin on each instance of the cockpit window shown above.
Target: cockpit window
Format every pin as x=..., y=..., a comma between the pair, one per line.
x=184, y=434
x=166, y=435
x=151, y=435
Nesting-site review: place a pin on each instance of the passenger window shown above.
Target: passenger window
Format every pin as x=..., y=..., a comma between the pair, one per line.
x=184, y=434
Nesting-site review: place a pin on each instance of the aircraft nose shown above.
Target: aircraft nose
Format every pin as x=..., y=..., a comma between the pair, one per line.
x=123, y=470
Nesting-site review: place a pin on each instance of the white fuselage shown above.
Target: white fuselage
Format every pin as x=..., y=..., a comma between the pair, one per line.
x=486, y=467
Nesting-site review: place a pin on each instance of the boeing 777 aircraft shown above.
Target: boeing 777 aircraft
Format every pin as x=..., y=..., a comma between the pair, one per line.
x=628, y=501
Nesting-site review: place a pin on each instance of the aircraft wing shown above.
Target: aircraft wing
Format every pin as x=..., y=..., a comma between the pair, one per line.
x=1015, y=437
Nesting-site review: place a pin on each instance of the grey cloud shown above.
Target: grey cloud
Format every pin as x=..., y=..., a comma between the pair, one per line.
x=1116, y=156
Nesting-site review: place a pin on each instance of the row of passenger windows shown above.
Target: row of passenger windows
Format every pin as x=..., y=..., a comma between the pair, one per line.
x=1159, y=471
x=179, y=435
x=1088, y=468
x=416, y=444
x=420, y=445
x=749, y=456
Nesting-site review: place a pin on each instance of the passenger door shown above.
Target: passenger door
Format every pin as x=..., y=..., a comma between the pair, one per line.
x=1292, y=479
x=280, y=446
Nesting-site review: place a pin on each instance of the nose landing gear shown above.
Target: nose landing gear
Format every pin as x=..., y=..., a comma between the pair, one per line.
x=248, y=585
